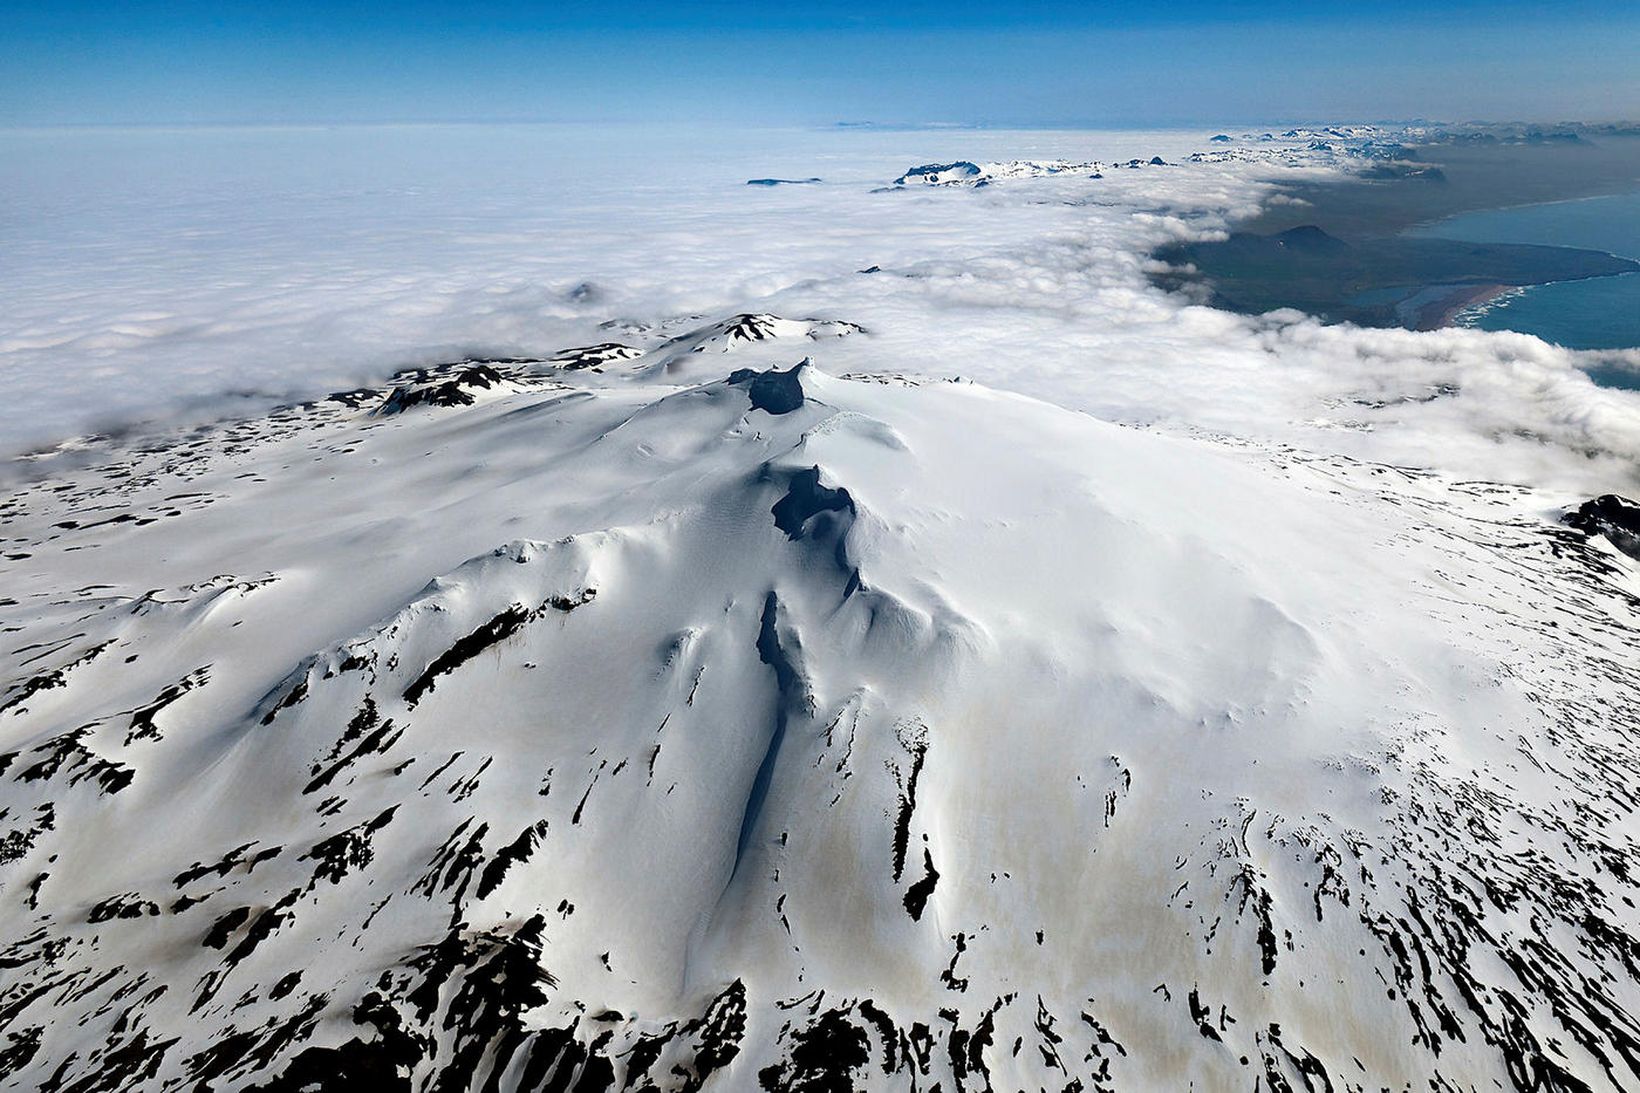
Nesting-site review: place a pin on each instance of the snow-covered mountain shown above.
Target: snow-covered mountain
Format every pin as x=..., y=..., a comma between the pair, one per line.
x=965, y=173
x=754, y=727
x=739, y=331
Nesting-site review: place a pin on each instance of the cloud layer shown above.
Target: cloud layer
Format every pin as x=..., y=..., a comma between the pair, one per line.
x=159, y=273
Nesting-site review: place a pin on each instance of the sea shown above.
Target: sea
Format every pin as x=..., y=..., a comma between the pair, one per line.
x=1598, y=313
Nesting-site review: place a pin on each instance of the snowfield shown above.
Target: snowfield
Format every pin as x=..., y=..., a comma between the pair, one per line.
x=730, y=700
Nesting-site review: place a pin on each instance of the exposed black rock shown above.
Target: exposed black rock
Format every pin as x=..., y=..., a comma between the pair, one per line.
x=792, y=696
x=916, y=897
x=348, y=850
x=824, y=1058
x=49, y=680
x=959, y=168
x=744, y=327
x=773, y=391
x=125, y=906
x=516, y=852
x=20, y=1049
x=223, y=928
x=383, y=1063
x=253, y=1049
x=1617, y=518
x=452, y=390
x=497, y=630
x=592, y=356
x=69, y=754
x=918, y=746
x=805, y=499
x=142, y=720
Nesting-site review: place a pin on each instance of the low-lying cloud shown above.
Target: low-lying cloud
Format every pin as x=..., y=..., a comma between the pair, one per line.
x=155, y=274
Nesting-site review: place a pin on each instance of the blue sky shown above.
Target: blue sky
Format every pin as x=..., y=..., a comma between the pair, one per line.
x=911, y=61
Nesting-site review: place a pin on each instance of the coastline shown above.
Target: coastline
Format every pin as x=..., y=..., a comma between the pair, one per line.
x=1476, y=178
x=1371, y=252
x=1600, y=313
x=1441, y=313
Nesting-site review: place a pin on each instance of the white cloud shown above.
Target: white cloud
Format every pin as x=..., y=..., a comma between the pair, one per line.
x=148, y=272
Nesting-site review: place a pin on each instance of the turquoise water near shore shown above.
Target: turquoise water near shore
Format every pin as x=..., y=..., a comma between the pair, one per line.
x=1599, y=313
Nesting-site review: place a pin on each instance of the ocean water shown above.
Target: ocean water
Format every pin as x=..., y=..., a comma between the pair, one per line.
x=1599, y=313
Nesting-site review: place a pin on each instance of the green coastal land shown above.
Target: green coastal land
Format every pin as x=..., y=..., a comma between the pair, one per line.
x=1337, y=249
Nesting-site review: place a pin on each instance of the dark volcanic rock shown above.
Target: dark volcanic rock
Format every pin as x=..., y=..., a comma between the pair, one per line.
x=591, y=356
x=1617, y=518
x=454, y=390
x=1308, y=239
x=805, y=499
x=773, y=392
x=933, y=172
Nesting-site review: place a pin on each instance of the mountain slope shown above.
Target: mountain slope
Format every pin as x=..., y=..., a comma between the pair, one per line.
x=791, y=731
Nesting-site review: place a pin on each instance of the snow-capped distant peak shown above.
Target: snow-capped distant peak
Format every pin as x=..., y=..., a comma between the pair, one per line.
x=459, y=384
x=965, y=173
x=593, y=356
x=941, y=174
x=749, y=329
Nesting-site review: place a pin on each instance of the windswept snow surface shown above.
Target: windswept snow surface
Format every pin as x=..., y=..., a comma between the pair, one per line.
x=732, y=697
